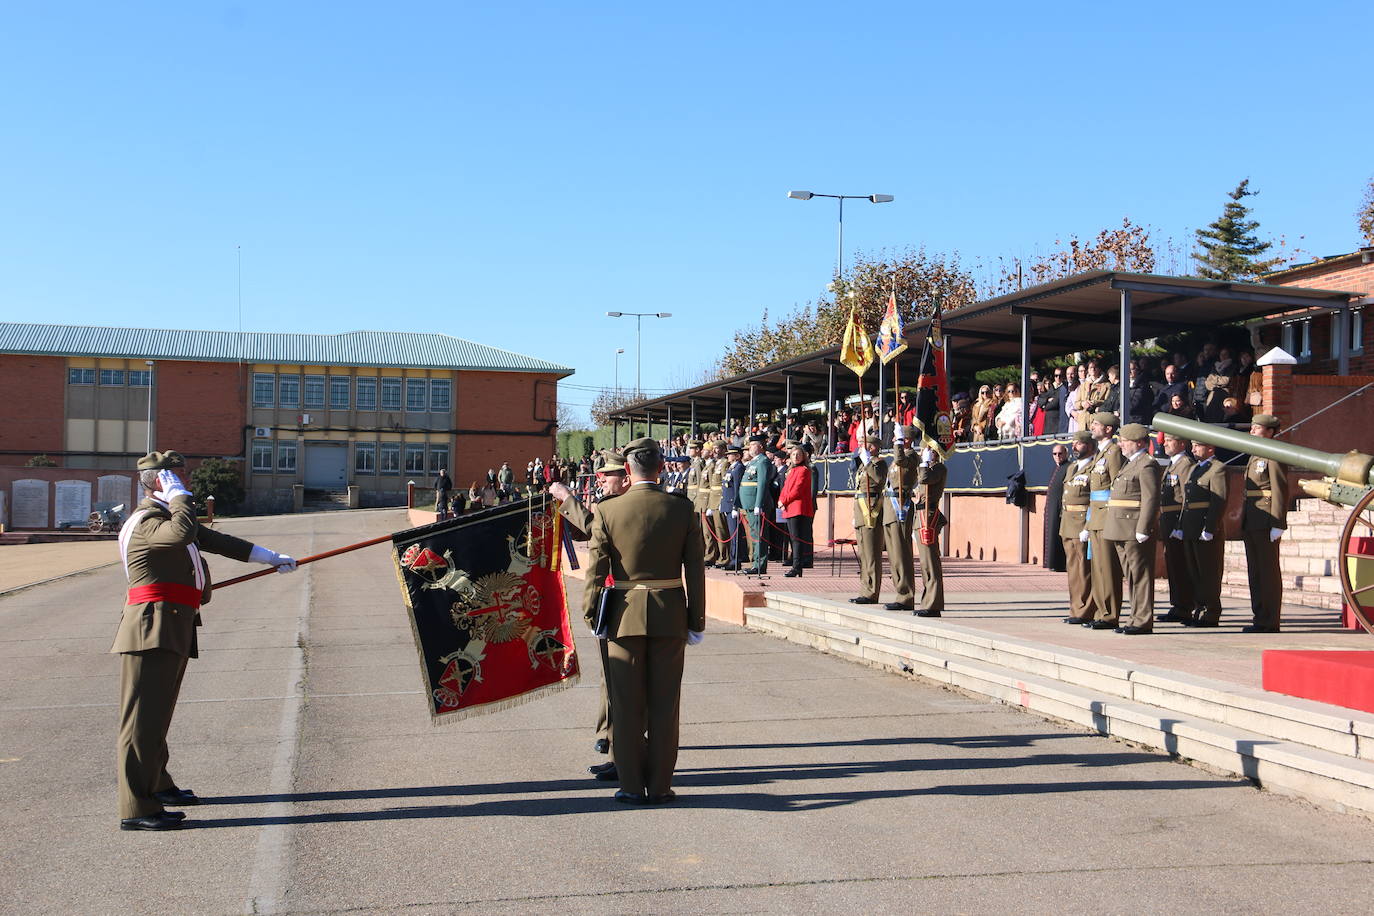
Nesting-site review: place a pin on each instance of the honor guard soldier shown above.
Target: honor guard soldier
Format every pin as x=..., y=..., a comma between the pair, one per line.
x=1103, y=561
x=611, y=481
x=930, y=486
x=868, y=518
x=1204, y=541
x=756, y=501
x=692, y=483
x=720, y=525
x=730, y=508
x=161, y=545
x=1172, y=498
x=708, y=498
x=649, y=543
x=902, y=472
x=1132, y=526
x=1262, y=524
x=1073, y=525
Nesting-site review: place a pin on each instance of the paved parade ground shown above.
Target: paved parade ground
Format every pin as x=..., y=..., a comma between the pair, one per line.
x=807, y=783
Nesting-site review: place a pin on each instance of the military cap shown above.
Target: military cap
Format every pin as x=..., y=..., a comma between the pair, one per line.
x=642, y=445
x=1082, y=435
x=873, y=441
x=615, y=463
x=734, y=450
x=906, y=433
x=1107, y=418
x=157, y=461
x=1267, y=420
x=960, y=396
x=1135, y=432
x=694, y=443
x=760, y=439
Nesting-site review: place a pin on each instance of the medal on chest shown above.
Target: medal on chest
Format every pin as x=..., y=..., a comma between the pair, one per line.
x=1261, y=466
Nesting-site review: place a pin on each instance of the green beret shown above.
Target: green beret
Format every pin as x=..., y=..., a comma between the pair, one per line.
x=1267, y=420
x=642, y=445
x=157, y=461
x=1107, y=418
x=906, y=433
x=873, y=441
x=1135, y=432
x=1082, y=435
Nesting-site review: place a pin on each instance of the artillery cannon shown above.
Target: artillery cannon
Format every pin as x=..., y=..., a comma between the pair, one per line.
x=1348, y=481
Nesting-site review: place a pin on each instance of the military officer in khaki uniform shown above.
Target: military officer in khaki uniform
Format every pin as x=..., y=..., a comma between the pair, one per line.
x=649, y=542
x=1204, y=540
x=692, y=481
x=1103, y=561
x=708, y=499
x=611, y=481
x=868, y=518
x=1133, y=525
x=899, y=519
x=1182, y=596
x=161, y=545
x=930, y=486
x=1073, y=524
x=1263, y=523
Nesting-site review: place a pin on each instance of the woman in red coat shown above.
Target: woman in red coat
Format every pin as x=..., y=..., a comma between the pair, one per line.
x=798, y=503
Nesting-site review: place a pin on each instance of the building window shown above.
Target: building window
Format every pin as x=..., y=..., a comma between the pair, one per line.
x=264, y=390
x=140, y=378
x=80, y=376
x=391, y=394
x=391, y=457
x=1357, y=331
x=415, y=394
x=367, y=394
x=438, y=458
x=338, y=392
x=262, y=457
x=314, y=391
x=112, y=377
x=290, y=390
x=286, y=457
x=415, y=458
x=365, y=458
x=1305, y=343
x=440, y=394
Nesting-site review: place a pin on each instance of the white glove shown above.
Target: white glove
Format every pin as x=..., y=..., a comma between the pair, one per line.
x=758, y=510
x=694, y=637
x=1275, y=533
x=1206, y=535
x=281, y=561
x=710, y=512
x=1141, y=538
x=1083, y=535
x=1176, y=534
x=735, y=513
x=169, y=485
x=559, y=492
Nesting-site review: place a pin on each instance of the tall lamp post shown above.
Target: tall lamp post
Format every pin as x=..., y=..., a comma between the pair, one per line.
x=639, y=319
x=149, y=363
x=618, y=353
x=839, y=247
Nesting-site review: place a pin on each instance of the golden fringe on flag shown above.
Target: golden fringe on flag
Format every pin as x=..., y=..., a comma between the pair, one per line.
x=856, y=351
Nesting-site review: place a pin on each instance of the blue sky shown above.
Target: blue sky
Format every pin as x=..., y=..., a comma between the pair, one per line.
x=509, y=172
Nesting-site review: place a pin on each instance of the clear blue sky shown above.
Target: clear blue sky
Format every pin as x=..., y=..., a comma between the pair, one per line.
x=509, y=172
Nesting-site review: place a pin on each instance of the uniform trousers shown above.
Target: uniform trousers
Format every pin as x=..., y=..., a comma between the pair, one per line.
x=710, y=548
x=1182, y=585
x=722, y=525
x=1081, y=602
x=932, y=576
x=149, y=682
x=1204, y=569
x=1105, y=567
x=759, y=558
x=897, y=538
x=1266, y=582
x=1137, y=562
x=646, y=686
x=870, y=560
x=603, y=713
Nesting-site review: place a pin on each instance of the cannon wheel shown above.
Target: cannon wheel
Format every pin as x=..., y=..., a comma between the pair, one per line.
x=95, y=522
x=1360, y=524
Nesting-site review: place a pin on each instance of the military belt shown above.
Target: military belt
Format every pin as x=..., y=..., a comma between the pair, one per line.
x=1123, y=504
x=1260, y=494
x=749, y=483
x=1075, y=508
x=640, y=585
x=1201, y=505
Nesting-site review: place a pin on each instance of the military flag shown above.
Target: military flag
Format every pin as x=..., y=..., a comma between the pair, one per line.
x=891, y=342
x=932, y=391
x=856, y=351
x=487, y=608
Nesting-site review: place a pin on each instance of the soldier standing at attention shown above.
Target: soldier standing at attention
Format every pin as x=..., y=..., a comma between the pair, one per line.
x=649, y=542
x=692, y=482
x=898, y=517
x=1073, y=525
x=1264, y=521
x=1172, y=497
x=708, y=498
x=868, y=518
x=161, y=544
x=1204, y=511
x=756, y=501
x=729, y=509
x=1132, y=526
x=1103, y=562
x=930, y=486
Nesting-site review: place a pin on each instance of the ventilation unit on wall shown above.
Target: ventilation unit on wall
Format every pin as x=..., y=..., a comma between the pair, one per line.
x=262, y=432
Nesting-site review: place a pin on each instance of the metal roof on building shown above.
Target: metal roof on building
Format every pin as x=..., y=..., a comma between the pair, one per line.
x=384, y=349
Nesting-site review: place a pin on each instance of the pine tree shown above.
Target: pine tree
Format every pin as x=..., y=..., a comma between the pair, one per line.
x=1229, y=248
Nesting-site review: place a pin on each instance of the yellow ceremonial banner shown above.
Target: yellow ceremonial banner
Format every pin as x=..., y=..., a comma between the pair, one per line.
x=856, y=351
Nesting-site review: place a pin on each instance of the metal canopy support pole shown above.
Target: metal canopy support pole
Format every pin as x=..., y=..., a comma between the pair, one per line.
x=749, y=426
x=1125, y=357
x=615, y=432
x=787, y=407
x=725, y=423
x=830, y=412
x=1342, y=332
x=1024, y=528
x=648, y=424
x=694, y=417
x=670, y=423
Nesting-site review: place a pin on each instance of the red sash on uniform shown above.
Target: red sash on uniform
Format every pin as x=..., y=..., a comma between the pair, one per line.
x=172, y=592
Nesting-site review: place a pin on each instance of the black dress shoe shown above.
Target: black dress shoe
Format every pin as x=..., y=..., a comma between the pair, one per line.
x=863, y=600
x=602, y=745
x=791, y=574
x=610, y=774
x=1078, y=620
x=1175, y=617
x=163, y=820
x=1256, y=628
x=1136, y=631
x=177, y=798
x=897, y=606
x=601, y=767
x=1200, y=622
x=665, y=799
x=927, y=613
x=628, y=798
x=1102, y=625
x=752, y=571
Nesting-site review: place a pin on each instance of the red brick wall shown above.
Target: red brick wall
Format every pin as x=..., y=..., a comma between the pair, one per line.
x=33, y=419
x=1347, y=274
x=504, y=401
x=200, y=407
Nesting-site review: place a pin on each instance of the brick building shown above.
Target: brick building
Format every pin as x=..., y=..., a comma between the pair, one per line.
x=1335, y=342
x=366, y=410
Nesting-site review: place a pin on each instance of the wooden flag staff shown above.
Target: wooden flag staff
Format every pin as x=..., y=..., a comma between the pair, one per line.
x=303, y=560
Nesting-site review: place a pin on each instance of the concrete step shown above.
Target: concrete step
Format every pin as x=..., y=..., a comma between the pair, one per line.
x=1312, y=750
x=1324, y=600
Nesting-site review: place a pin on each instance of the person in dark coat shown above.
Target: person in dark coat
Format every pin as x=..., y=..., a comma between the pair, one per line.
x=1052, y=556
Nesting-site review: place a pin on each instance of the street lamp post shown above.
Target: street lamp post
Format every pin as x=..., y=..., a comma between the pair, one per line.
x=839, y=247
x=149, y=363
x=619, y=351
x=639, y=318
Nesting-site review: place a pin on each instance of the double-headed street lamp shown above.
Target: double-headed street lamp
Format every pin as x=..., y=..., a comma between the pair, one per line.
x=639, y=318
x=839, y=248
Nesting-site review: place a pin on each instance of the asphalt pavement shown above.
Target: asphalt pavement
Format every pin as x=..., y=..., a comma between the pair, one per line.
x=807, y=784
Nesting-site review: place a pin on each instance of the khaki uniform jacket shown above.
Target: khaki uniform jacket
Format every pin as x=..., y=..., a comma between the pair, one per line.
x=157, y=555
x=715, y=478
x=910, y=465
x=1204, y=500
x=1102, y=472
x=578, y=516
x=1137, y=488
x=1075, y=504
x=647, y=534
x=694, y=485
x=1171, y=493
x=930, y=486
x=868, y=488
x=1266, y=495
x=1091, y=396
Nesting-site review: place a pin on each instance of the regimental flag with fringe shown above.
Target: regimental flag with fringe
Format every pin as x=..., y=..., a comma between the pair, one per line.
x=891, y=342
x=933, y=419
x=487, y=608
x=856, y=351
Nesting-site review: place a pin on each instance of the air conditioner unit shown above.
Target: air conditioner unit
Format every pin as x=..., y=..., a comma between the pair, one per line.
x=262, y=432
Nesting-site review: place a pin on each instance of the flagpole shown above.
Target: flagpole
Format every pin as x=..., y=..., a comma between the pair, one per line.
x=303, y=560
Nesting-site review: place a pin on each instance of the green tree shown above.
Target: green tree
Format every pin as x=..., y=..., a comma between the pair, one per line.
x=221, y=479
x=1127, y=247
x=1229, y=249
x=40, y=461
x=1365, y=215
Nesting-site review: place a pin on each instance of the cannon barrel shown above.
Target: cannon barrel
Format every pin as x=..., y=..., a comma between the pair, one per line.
x=1354, y=468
